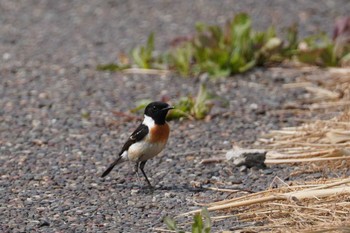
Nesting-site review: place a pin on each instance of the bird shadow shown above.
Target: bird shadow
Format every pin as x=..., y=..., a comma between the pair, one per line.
x=157, y=188
x=182, y=188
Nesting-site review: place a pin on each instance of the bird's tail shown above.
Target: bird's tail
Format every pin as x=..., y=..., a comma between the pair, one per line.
x=109, y=169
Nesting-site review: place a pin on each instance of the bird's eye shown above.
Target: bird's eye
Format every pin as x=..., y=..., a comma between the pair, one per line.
x=154, y=107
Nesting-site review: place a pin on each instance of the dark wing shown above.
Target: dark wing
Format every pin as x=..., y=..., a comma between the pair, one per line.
x=136, y=136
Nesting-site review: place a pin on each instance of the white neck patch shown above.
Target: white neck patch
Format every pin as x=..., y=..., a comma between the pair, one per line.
x=148, y=121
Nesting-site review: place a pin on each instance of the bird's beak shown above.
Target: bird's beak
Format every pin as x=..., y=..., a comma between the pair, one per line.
x=168, y=108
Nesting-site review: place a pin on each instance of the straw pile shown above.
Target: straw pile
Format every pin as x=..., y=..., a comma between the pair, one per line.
x=316, y=146
x=307, y=206
x=328, y=90
x=319, y=142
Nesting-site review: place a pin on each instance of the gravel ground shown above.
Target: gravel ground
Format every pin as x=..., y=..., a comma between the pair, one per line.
x=59, y=130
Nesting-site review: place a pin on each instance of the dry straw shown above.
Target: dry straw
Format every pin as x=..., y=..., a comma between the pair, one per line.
x=316, y=141
x=316, y=146
x=290, y=208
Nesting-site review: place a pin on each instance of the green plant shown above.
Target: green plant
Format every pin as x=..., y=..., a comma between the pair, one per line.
x=202, y=103
x=197, y=107
x=322, y=51
x=237, y=47
x=143, y=55
x=111, y=67
x=220, y=51
x=201, y=223
x=180, y=59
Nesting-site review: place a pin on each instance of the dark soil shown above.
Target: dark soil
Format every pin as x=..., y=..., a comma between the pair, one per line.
x=59, y=126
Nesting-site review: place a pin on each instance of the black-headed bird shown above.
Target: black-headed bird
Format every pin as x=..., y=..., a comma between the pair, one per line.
x=147, y=141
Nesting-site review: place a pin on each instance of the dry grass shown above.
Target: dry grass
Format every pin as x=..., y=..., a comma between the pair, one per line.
x=316, y=146
x=328, y=90
x=319, y=141
x=320, y=145
x=295, y=208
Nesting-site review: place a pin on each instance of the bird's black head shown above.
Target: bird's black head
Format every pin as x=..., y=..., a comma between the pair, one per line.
x=157, y=111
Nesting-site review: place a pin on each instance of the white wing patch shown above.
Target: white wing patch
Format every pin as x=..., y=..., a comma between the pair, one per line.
x=125, y=155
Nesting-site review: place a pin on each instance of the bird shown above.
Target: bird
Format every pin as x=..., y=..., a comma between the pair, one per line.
x=147, y=141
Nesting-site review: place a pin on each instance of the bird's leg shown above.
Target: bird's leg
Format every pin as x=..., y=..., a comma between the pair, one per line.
x=136, y=167
x=137, y=173
x=142, y=165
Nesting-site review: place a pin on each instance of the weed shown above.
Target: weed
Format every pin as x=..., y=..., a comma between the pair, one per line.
x=111, y=67
x=201, y=223
x=237, y=48
x=197, y=107
x=143, y=55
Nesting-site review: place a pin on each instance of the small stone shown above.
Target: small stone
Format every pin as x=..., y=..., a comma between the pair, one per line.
x=253, y=106
x=43, y=223
x=6, y=56
x=43, y=95
x=268, y=171
x=243, y=168
x=168, y=195
x=247, y=157
x=134, y=191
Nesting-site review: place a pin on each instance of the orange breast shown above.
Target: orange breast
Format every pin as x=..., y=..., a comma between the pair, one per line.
x=159, y=133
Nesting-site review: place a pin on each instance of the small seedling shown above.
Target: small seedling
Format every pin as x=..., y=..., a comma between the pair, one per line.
x=143, y=55
x=201, y=223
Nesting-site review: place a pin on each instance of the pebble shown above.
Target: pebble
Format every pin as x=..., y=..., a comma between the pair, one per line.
x=134, y=192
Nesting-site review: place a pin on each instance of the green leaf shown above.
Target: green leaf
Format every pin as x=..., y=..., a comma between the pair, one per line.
x=272, y=44
x=241, y=27
x=197, y=226
x=328, y=56
x=217, y=73
x=111, y=67
x=200, y=27
x=236, y=61
x=292, y=41
x=177, y=114
x=207, y=221
x=171, y=224
x=202, y=106
x=143, y=55
x=216, y=35
x=309, y=56
x=180, y=59
x=318, y=50
x=150, y=44
x=247, y=66
x=182, y=109
x=136, y=54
